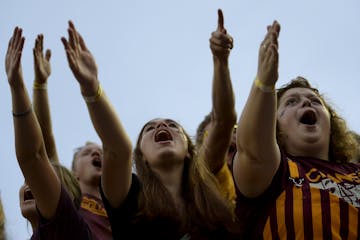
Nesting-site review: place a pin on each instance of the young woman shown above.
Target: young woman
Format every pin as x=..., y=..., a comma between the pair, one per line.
x=86, y=165
x=292, y=165
x=173, y=195
x=58, y=217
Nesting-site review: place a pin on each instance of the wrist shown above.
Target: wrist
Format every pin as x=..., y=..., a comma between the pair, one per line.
x=221, y=61
x=93, y=97
x=39, y=86
x=263, y=87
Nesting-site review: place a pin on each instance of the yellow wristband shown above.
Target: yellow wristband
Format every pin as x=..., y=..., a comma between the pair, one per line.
x=264, y=88
x=94, y=98
x=40, y=86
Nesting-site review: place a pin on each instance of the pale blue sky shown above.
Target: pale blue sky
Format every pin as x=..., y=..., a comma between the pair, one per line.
x=154, y=61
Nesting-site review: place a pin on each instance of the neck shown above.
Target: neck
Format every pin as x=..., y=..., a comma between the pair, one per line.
x=172, y=180
x=34, y=223
x=311, y=151
x=90, y=189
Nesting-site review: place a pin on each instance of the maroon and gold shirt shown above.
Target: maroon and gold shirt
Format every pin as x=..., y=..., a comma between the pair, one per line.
x=94, y=213
x=307, y=199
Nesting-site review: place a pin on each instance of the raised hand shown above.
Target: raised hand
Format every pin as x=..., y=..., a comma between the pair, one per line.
x=41, y=63
x=269, y=57
x=13, y=58
x=220, y=42
x=81, y=61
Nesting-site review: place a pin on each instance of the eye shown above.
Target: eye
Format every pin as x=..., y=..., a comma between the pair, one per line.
x=291, y=101
x=173, y=125
x=86, y=152
x=316, y=101
x=149, y=128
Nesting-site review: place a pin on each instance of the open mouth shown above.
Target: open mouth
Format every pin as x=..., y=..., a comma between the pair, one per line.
x=28, y=195
x=308, y=118
x=97, y=163
x=163, y=135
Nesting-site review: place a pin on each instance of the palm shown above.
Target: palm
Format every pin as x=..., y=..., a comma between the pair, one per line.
x=12, y=64
x=81, y=61
x=43, y=69
x=86, y=68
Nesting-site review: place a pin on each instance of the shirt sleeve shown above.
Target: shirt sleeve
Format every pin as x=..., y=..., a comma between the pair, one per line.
x=66, y=224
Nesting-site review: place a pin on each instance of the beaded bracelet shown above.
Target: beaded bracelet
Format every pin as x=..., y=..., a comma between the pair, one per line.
x=264, y=88
x=94, y=98
x=39, y=86
x=22, y=114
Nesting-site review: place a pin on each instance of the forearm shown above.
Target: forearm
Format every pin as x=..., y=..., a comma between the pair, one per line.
x=28, y=138
x=42, y=111
x=31, y=155
x=223, y=100
x=117, y=163
x=223, y=116
x=256, y=135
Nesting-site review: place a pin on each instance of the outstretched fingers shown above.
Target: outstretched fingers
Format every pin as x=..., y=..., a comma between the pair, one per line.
x=48, y=55
x=69, y=53
x=82, y=43
x=13, y=56
x=16, y=46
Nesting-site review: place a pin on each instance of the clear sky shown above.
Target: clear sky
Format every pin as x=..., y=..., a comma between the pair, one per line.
x=154, y=61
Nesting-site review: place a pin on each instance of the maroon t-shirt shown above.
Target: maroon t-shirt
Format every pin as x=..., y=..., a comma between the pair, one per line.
x=308, y=198
x=66, y=224
x=94, y=213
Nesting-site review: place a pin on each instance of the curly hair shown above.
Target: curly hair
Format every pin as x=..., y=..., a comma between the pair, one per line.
x=343, y=147
x=204, y=204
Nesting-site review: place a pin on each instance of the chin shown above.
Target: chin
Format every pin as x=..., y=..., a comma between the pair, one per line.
x=29, y=211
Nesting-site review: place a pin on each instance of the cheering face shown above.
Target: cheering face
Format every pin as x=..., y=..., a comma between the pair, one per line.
x=163, y=142
x=27, y=203
x=88, y=164
x=303, y=120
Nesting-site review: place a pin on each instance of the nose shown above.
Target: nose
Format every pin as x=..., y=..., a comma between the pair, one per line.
x=306, y=102
x=161, y=124
x=96, y=152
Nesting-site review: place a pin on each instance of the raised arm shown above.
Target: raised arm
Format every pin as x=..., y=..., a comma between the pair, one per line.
x=42, y=71
x=258, y=155
x=116, y=175
x=29, y=145
x=223, y=115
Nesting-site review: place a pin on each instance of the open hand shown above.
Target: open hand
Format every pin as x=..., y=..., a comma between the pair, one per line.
x=13, y=58
x=42, y=66
x=81, y=61
x=269, y=56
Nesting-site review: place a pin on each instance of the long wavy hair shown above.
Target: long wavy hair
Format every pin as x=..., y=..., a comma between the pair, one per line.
x=70, y=183
x=204, y=205
x=343, y=146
